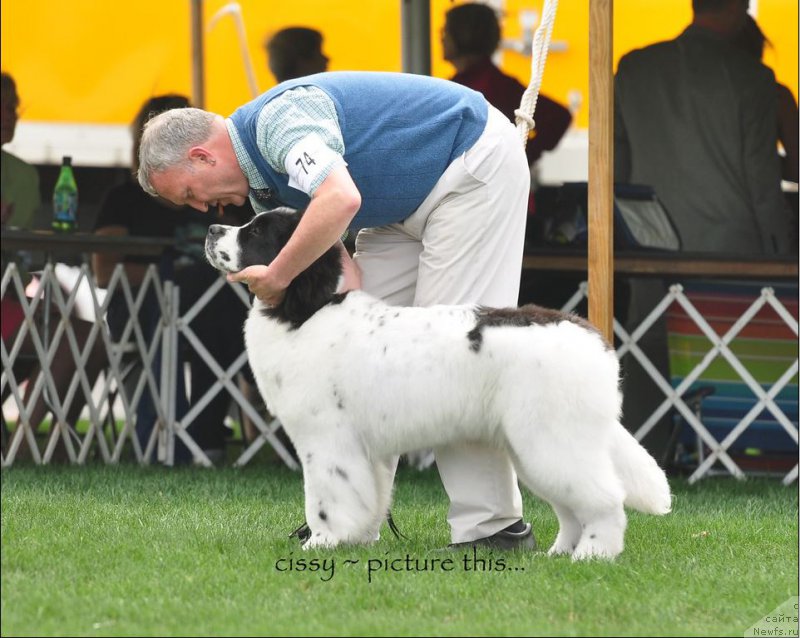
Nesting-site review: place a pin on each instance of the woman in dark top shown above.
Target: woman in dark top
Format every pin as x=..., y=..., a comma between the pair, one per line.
x=470, y=37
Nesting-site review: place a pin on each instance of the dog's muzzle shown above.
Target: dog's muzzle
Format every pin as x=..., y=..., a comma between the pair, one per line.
x=217, y=257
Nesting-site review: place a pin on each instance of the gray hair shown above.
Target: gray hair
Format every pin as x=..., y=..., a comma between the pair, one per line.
x=166, y=141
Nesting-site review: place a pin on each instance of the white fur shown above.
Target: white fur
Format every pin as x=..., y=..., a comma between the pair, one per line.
x=360, y=382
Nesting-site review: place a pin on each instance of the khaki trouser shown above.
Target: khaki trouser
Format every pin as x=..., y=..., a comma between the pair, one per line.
x=462, y=245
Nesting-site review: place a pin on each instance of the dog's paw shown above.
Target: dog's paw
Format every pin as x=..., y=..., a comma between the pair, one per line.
x=320, y=540
x=590, y=550
x=560, y=549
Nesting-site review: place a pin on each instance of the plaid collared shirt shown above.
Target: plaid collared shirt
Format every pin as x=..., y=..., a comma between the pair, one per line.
x=282, y=123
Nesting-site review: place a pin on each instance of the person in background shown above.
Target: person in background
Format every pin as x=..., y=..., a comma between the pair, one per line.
x=695, y=118
x=128, y=210
x=21, y=200
x=470, y=37
x=19, y=181
x=751, y=38
x=294, y=52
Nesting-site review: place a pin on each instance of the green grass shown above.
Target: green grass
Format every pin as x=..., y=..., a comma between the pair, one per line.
x=125, y=551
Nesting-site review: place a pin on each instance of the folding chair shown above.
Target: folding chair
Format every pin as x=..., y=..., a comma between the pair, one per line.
x=751, y=418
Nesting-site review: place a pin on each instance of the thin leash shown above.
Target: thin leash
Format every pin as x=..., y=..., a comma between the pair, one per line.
x=303, y=533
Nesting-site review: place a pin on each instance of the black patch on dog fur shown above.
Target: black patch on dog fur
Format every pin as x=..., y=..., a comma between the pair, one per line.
x=341, y=473
x=337, y=396
x=338, y=298
x=522, y=317
x=323, y=516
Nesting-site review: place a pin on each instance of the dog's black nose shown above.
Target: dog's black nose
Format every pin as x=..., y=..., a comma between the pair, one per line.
x=215, y=230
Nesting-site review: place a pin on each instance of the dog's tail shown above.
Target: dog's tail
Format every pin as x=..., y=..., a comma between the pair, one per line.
x=645, y=483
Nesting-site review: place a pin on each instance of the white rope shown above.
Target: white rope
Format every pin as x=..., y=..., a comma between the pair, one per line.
x=541, y=44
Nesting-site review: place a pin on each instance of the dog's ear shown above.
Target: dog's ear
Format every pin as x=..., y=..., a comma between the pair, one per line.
x=312, y=288
x=262, y=238
x=281, y=223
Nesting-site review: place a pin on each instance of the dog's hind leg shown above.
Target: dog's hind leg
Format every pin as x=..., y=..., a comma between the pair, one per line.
x=603, y=534
x=569, y=531
x=341, y=499
x=578, y=479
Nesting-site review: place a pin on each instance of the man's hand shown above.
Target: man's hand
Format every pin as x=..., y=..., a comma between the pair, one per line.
x=262, y=283
x=351, y=273
x=332, y=208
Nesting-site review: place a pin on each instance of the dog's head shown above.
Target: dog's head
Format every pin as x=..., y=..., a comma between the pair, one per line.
x=232, y=248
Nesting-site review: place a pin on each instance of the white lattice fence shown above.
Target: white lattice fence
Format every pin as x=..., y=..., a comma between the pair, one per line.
x=720, y=346
x=49, y=332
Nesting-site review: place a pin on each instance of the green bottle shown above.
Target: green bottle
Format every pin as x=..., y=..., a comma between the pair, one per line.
x=65, y=199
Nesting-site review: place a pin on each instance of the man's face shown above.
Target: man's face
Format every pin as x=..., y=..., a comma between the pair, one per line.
x=202, y=184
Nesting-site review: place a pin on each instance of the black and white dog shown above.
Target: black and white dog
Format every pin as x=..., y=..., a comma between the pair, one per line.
x=356, y=382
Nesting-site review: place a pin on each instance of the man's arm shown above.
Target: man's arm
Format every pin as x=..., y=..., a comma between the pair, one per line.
x=333, y=206
x=552, y=121
x=351, y=273
x=622, y=149
x=788, y=131
x=762, y=163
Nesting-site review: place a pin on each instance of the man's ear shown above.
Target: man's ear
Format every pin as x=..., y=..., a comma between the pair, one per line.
x=201, y=154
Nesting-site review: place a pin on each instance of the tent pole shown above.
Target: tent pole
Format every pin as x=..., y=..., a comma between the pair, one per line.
x=198, y=70
x=416, y=36
x=601, y=166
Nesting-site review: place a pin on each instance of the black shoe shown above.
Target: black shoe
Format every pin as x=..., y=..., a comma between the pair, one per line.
x=518, y=535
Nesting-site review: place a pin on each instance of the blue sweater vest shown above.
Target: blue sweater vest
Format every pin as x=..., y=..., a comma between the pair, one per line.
x=400, y=133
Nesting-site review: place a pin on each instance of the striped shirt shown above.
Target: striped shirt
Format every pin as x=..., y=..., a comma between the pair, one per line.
x=283, y=123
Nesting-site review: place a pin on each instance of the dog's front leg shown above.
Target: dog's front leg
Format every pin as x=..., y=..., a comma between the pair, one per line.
x=342, y=503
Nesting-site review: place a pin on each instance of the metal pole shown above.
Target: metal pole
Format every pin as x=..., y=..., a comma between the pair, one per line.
x=416, y=36
x=170, y=369
x=601, y=166
x=198, y=62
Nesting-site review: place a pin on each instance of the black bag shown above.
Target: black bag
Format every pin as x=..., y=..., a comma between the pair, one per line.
x=640, y=220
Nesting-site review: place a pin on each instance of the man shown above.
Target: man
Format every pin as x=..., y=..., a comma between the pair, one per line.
x=695, y=118
x=433, y=175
